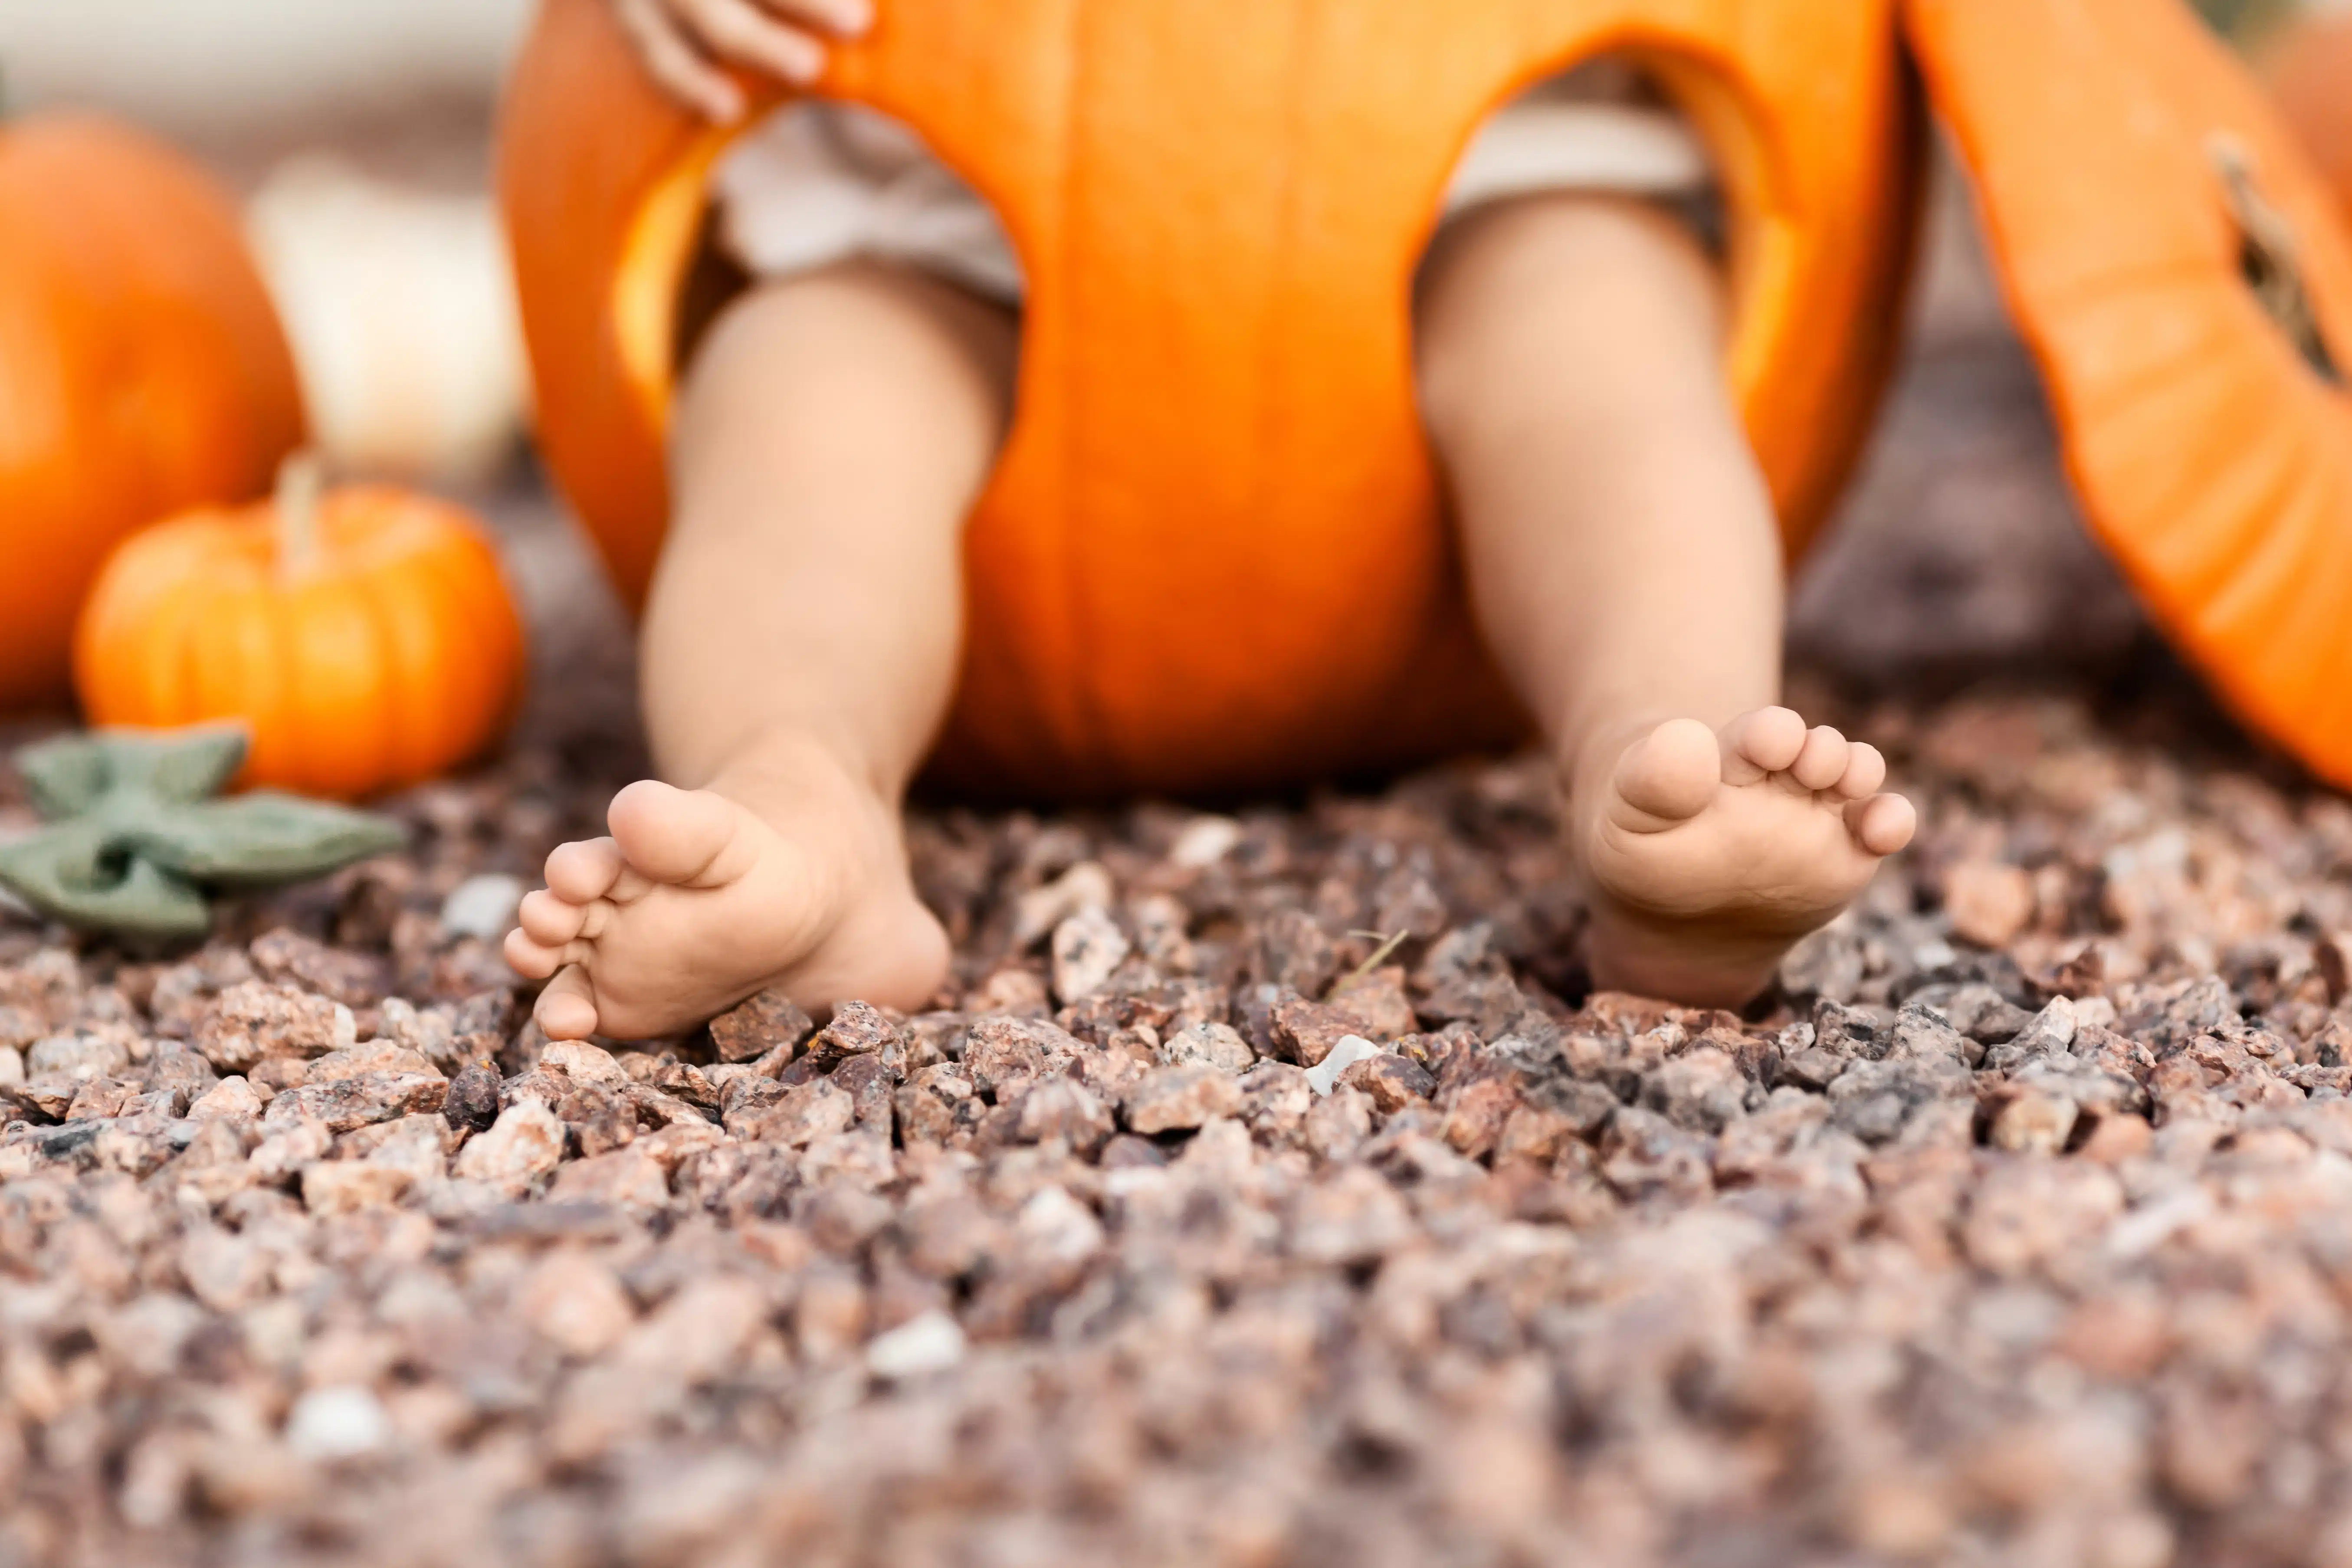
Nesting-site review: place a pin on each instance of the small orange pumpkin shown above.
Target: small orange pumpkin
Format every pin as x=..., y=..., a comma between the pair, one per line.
x=1212, y=554
x=142, y=370
x=2184, y=277
x=2308, y=63
x=365, y=637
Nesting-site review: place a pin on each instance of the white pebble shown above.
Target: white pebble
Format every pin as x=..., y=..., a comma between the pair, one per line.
x=1058, y=1226
x=340, y=1422
x=1205, y=841
x=932, y=1342
x=1085, y=886
x=2094, y=1013
x=1934, y=953
x=482, y=907
x=1351, y=1049
x=1088, y=948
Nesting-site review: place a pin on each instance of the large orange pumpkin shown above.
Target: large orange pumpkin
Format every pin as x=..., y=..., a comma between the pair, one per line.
x=365, y=637
x=1212, y=554
x=142, y=370
x=2185, y=278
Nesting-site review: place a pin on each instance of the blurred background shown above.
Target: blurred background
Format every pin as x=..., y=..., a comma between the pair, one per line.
x=407, y=83
x=358, y=132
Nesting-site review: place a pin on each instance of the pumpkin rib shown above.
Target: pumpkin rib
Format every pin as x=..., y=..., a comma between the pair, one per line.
x=2332, y=698
x=2185, y=549
x=2197, y=550
x=2189, y=444
x=181, y=627
x=2275, y=570
x=2154, y=362
x=2262, y=595
x=384, y=677
x=481, y=675
x=172, y=647
x=2113, y=287
x=495, y=619
x=463, y=678
x=265, y=655
x=316, y=624
x=420, y=690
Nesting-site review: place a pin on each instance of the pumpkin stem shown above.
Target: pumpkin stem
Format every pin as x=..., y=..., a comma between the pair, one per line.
x=302, y=482
x=2266, y=256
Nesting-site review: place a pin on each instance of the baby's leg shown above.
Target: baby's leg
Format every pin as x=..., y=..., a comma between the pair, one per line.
x=1625, y=571
x=799, y=649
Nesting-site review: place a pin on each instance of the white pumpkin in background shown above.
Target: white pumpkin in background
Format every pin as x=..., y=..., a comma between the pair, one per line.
x=400, y=307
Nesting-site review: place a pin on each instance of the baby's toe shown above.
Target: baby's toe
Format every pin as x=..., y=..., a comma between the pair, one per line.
x=1822, y=761
x=567, y=1008
x=1672, y=772
x=1881, y=825
x=550, y=920
x=538, y=960
x=1865, y=772
x=673, y=836
x=1764, y=741
x=583, y=870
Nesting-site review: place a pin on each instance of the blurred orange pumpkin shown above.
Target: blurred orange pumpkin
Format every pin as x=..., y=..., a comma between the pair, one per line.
x=2308, y=63
x=2184, y=277
x=142, y=370
x=1212, y=554
x=365, y=637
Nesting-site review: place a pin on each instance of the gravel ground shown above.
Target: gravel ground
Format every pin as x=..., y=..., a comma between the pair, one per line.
x=1268, y=1187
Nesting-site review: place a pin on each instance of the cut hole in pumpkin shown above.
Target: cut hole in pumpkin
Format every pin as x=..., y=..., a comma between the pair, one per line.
x=820, y=183
x=2267, y=257
x=1602, y=128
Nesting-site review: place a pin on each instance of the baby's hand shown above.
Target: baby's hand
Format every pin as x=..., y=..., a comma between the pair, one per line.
x=685, y=43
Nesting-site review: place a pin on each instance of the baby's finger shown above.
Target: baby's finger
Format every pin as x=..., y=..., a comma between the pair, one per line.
x=842, y=18
x=676, y=65
x=738, y=30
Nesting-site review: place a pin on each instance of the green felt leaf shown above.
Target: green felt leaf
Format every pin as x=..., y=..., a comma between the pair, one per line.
x=65, y=777
x=70, y=873
x=71, y=775
x=259, y=839
x=190, y=764
x=134, y=841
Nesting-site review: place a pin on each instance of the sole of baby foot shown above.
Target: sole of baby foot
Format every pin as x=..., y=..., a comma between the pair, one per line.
x=700, y=898
x=1706, y=853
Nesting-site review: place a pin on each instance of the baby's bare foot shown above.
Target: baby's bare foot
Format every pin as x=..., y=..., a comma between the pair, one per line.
x=699, y=898
x=1707, y=854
